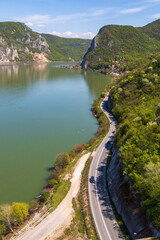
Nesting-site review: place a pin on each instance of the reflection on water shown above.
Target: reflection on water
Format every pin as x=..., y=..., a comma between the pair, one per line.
x=44, y=110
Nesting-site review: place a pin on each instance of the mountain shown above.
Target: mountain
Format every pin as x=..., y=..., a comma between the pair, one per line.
x=18, y=43
x=152, y=29
x=117, y=43
x=66, y=48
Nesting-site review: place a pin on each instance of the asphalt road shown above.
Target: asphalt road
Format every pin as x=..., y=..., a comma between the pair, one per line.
x=106, y=226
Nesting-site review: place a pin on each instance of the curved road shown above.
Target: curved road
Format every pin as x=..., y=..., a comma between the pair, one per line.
x=106, y=226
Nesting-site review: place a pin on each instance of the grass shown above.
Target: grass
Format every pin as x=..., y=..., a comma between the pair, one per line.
x=84, y=203
x=60, y=192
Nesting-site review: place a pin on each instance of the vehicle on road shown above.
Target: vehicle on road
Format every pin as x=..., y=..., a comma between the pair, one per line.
x=92, y=179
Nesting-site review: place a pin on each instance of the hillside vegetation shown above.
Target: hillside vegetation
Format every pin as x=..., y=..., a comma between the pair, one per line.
x=122, y=47
x=66, y=48
x=136, y=105
x=152, y=29
x=18, y=43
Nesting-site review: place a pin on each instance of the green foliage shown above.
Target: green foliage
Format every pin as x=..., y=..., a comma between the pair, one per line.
x=33, y=206
x=21, y=37
x=11, y=215
x=123, y=47
x=3, y=229
x=66, y=48
x=136, y=106
x=45, y=196
x=152, y=29
x=62, y=160
x=78, y=148
x=52, y=182
x=19, y=212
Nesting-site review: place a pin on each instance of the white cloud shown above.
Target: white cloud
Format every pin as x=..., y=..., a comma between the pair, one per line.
x=70, y=34
x=29, y=24
x=132, y=10
x=35, y=19
x=41, y=25
x=39, y=19
x=155, y=16
x=87, y=35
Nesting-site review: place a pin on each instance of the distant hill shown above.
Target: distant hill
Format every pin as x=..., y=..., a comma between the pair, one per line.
x=122, y=42
x=66, y=48
x=18, y=43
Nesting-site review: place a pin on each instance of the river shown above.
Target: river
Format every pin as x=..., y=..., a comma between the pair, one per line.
x=44, y=110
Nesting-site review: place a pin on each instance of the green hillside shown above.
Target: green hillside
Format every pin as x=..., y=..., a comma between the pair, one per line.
x=65, y=48
x=136, y=105
x=115, y=42
x=15, y=31
x=18, y=43
x=152, y=29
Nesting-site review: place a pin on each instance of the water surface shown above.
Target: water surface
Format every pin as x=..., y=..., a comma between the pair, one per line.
x=43, y=111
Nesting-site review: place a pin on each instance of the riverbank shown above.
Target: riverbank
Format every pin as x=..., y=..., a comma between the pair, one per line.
x=60, y=218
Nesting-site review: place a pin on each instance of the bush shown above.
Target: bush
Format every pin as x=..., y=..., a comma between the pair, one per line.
x=19, y=212
x=62, y=160
x=78, y=148
x=33, y=206
x=52, y=182
x=45, y=196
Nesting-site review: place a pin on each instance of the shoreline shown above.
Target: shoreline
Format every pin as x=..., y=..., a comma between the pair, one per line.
x=71, y=150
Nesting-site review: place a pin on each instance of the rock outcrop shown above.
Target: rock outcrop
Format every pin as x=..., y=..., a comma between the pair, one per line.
x=18, y=43
x=127, y=201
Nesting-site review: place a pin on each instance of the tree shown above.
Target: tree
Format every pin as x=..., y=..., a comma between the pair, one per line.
x=6, y=216
x=19, y=212
x=62, y=160
x=77, y=148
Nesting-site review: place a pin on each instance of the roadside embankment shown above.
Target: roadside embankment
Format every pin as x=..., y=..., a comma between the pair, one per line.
x=127, y=201
x=55, y=223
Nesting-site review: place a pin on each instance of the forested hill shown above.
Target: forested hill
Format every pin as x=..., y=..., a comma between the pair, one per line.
x=66, y=48
x=115, y=42
x=152, y=29
x=18, y=43
x=136, y=105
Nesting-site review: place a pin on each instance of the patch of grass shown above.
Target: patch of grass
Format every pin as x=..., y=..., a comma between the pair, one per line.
x=84, y=202
x=76, y=230
x=60, y=191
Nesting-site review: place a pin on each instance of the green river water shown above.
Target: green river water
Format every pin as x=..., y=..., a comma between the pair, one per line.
x=44, y=110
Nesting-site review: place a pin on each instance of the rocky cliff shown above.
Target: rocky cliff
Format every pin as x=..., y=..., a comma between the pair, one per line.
x=114, y=43
x=127, y=201
x=19, y=43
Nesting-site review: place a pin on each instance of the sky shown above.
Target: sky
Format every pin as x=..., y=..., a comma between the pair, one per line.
x=79, y=19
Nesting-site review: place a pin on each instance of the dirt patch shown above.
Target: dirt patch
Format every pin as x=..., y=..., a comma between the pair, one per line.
x=56, y=222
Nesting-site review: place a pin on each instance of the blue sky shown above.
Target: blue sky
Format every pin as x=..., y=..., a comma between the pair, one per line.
x=73, y=18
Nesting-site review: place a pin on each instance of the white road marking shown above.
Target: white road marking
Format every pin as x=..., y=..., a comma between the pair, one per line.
x=98, y=199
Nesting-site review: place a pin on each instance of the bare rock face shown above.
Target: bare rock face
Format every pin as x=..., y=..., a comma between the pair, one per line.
x=127, y=202
x=94, y=44
x=23, y=47
x=40, y=58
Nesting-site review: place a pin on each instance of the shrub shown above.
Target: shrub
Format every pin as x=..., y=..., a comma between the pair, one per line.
x=52, y=182
x=62, y=160
x=78, y=148
x=45, y=196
